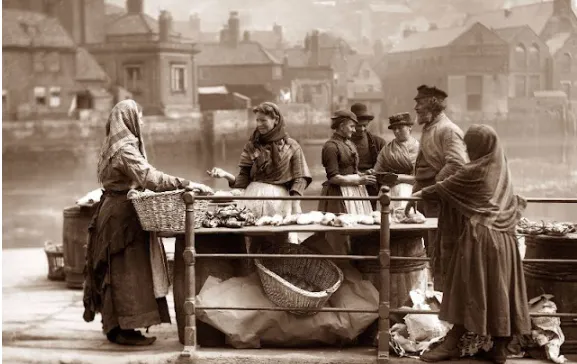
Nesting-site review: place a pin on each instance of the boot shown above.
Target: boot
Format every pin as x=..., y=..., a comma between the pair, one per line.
x=129, y=337
x=448, y=349
x=498, y=353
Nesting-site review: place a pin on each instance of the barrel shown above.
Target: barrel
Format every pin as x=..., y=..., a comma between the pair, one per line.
x=559, y=280
x=405, y=276
x=74, y=239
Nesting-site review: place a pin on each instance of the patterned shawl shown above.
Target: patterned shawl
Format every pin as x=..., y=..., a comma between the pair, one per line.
x=270, y=155
x=122, y=128
x=482, y=189
x=400, y=157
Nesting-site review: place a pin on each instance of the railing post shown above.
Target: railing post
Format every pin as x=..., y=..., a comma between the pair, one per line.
x=384, y=289
x=189, y=257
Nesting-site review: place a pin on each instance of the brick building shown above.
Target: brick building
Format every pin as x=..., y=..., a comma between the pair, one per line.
x=150, y=60
x=38, y=66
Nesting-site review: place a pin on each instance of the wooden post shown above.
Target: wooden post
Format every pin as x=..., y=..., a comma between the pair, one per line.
x=385, y=266
x=189, y=257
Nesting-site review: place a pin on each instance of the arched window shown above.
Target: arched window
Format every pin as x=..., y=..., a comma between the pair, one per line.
x=520, y=56
x=534, y=57
x=565, y=63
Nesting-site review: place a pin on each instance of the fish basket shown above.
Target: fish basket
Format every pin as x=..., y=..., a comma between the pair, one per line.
x=55, y=256
x=165, y=211
x=297, y=283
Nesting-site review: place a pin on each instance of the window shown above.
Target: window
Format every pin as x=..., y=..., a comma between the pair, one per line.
x=534, y=57
x=53, y=61
x=474, y=86
x=178, y=78
x=4, y=100
x=520, y=56
x=132, y=77
x=565, y=64
x=40, y=95
x=38, y=62
x=520, y=86
x=54, y=100
x=534, y=84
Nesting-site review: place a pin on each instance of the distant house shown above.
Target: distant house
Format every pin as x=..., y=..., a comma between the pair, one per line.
x=238, y=62
x=38, y=66
x=150, y=60
x=364, y=85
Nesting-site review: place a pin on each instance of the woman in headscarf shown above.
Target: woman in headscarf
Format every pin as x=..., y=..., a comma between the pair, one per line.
x=118, y=277
x=398, y=157
x=484, y=286
x=271, y=164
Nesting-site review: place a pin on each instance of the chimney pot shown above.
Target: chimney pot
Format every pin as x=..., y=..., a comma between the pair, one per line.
x=134, y=6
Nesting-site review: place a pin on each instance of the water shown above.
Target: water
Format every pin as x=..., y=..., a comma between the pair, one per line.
x=38, y=183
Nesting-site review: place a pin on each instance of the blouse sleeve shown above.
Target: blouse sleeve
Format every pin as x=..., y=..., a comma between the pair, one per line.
x=242, y=179
x=137, y=168
x=429, y=193
x=330, y=160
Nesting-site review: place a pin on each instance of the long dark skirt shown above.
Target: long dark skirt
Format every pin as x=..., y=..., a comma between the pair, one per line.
x=118, y=281
x=484, y=288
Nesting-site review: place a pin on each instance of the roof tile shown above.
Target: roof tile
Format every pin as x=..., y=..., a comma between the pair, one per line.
x=533, y=15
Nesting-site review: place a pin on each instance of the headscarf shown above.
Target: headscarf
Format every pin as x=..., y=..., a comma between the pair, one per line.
x=271, y=138
x=482, y=189
x=122, y=128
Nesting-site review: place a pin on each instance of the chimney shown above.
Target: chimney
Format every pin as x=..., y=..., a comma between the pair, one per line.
x=164, y=26
x=507, y=13
x=315, y=49
x=307, y=42
x=234, y=28
x=134, y=6
x=195, y=23
x=224, y=34
x=277, y=30
x=246, y=36
x=407, y=32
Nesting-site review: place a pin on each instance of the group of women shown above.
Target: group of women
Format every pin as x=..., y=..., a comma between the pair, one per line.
x=119, y=282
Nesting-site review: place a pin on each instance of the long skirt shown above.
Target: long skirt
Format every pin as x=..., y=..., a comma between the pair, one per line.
x=341, y=244
x=119, y=283
x=484, y=287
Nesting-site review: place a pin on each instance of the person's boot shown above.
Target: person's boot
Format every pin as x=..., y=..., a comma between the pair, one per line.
x=129, y=337
x=499, y=352
x=448, y=349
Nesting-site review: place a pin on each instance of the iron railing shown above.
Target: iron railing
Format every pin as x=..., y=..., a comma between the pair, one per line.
x=384, y=258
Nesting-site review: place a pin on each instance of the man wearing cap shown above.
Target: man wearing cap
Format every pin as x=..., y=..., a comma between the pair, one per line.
x=368, y=144
x=442, y=152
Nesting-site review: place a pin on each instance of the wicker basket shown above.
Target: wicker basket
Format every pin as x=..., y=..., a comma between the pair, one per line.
x=165, y=211
x=55, y=265
x=281, y=278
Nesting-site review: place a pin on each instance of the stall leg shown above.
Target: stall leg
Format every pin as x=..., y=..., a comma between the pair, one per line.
x=189, y=256
x=384, y=291
x=178, y=290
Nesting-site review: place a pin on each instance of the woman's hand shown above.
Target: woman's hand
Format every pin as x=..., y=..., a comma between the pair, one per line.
x=217, y=173
x=368, y=180
x=413, y=204
x=198, y=187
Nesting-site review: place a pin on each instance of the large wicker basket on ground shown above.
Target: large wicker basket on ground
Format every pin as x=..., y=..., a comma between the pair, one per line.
x=297, y=283
x=165, y=211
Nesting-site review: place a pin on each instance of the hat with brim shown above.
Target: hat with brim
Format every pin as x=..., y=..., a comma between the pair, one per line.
x=362, y=112
x=341, y=116
x=425, y=91
x=400, y=119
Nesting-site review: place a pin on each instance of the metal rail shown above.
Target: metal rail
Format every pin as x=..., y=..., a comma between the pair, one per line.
x=384, y=258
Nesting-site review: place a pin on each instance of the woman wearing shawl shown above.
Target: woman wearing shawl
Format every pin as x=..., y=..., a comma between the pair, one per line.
x=484, y=286
x=118, y=277
x=398, y=157
x=271, y=164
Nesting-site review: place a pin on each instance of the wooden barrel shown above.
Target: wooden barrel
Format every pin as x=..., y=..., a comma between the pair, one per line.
x=559, y=280
x=405, y=275
x=74, y=239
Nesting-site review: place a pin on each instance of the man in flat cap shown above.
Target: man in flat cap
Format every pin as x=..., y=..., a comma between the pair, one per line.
x=442, y=152
x=368, y=144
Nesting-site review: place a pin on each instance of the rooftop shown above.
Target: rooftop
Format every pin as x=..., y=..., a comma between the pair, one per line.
x=27, y=29
x=87, y=69
x=427, y=40
x=245, y=53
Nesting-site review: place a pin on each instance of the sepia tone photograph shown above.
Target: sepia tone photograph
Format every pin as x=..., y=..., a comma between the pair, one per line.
x=289, y=182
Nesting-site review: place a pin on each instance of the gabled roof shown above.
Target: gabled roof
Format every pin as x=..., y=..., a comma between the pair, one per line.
x=557, y=42
x=87, y=69
x=427, y=40
x=533, y=15
x=268, y=38
x=508, y=34
x=27, y=29
x=245, y=53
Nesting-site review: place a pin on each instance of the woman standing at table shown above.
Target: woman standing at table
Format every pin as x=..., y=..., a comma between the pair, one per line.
x=119, y=278
x=398, y=158
x=484, y=287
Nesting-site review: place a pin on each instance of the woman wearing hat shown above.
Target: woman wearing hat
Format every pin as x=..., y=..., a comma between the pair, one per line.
x=399, y=156
x=341, y=161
